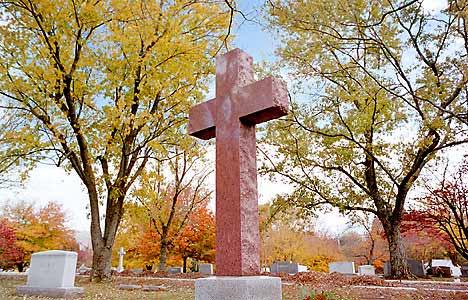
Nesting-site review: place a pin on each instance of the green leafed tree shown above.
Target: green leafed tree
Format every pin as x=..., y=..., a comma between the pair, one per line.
x=382, y=90
x=102, y=86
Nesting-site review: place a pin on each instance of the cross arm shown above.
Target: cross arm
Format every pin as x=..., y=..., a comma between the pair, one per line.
x=202, y=119
x=263, y=100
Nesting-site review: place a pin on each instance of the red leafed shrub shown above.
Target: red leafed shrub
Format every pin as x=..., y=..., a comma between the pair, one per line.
x=10, y=252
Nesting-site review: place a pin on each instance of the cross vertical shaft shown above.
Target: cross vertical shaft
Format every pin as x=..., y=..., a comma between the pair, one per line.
x=240, y=103
x=236, y=178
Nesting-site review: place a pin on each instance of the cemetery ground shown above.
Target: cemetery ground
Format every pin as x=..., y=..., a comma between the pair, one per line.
x=295, y=287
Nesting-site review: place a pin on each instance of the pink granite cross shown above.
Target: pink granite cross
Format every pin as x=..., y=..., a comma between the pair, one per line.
x=240, y=103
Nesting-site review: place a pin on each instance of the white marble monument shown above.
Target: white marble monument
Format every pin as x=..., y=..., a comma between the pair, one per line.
x=120, y=268
x=343, y=267
x=368, y=270
x=52, y=274
x=455, y=271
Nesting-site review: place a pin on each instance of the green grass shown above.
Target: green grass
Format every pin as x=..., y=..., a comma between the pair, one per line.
x=103, y=291
x=183, y=290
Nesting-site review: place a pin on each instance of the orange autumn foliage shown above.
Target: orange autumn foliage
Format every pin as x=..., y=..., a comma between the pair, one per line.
x=141, y=240
x=198, y=239
x=38, y=229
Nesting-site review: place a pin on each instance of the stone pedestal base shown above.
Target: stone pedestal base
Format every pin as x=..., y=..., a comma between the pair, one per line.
x=238, y=288
x=58, y=292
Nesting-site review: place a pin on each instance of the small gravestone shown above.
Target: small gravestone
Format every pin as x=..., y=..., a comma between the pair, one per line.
x=456, y=271
x=293, y=268
x=416, y=267
x=52, y=274
x=464, y=271
x=175, y=270
x=301, y=268
x=280, y=267
x=120, y=268
x=287, y=267
x=386, y=269
x=206, y=269
x=343, y=267
x=439, y=266
x=368, y=270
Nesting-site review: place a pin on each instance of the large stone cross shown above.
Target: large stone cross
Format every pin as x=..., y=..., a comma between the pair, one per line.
x=240, y=103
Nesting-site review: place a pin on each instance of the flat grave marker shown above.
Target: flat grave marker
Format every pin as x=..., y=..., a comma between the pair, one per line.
x=176, y=270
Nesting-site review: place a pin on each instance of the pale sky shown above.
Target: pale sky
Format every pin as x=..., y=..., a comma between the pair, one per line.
x=49, y=183
x=434, y=5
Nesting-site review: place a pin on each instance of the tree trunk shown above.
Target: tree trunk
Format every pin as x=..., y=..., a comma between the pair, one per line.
x=101, y=264
x=103, y=243
x=163, y=252
x=370, y=259
x=20, y=266
x=185, y=264
x=398, y=264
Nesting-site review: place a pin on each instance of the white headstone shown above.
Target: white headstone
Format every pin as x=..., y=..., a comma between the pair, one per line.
x=120, y=268
x=59, y=266
x=343, y=267
x=441, y=263
x=366, y=270
x=454, y=270
x=302, y=268
x=51, y=273
x=206, y=269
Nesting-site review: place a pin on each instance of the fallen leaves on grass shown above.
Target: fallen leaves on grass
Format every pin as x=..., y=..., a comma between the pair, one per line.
x=332, y=280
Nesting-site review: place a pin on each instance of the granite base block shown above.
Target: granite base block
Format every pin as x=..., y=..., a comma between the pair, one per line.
x=58, y=292
x=238, y=288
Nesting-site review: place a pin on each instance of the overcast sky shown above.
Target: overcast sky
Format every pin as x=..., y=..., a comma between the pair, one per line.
x=49, y=183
